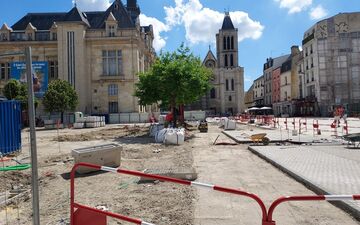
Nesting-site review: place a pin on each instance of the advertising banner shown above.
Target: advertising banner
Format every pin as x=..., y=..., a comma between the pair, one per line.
x=40, y=75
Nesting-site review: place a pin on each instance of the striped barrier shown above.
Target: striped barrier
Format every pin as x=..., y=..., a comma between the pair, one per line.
x=85, y=215
x=306, y=198
x=98, y=217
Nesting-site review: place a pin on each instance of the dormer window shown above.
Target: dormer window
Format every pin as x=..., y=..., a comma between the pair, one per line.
x=111, y=31
x=29, y=36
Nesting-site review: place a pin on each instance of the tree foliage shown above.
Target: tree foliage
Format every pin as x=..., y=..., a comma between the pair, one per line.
x=14, y=90
x=174, y=79
x=60, y=97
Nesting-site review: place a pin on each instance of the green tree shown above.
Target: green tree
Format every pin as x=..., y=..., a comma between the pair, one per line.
x=175, y=79
x=60, y=97
x=12, y=89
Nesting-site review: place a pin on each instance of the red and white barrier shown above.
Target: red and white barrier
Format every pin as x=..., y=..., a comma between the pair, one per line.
x=84, y=215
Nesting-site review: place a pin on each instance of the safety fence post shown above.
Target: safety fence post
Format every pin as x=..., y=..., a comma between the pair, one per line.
x=300, y=126
x=294, y=123
x=286, y=123
x=346, y=128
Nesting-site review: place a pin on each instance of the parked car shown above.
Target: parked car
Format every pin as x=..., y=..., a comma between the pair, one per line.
x=2, y=98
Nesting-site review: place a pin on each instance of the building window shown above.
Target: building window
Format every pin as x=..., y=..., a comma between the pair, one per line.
x=30, y=36
x=113, y=90
x=228, y=43
x=213, y=93
x=285, y=96
x=286, y=81
x=312, y=76
x=232, y=84
x=53, y=69
x=224, y=43
x=111, y=31
x=112, y=63
x=113, y=107
x=232, y=42
x=231, y=60
x=230, y=98
x=3, y=37
x=4, y=71
x=226, y=60
x=227, y=84
x=54, y=36
x=341, y=61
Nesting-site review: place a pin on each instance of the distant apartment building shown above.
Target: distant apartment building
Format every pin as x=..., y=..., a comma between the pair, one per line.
x=330, y=68
x=99, y=53
x=270, y=65
x=258, y=92
x=249, y=98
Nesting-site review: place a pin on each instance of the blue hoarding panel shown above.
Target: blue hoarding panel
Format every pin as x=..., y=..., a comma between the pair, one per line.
x=40, y=75
x=10, y=127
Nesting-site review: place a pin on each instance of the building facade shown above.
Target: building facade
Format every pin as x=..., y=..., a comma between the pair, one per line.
x=98, y=53
x=227, y=93
x=332, y=63
x=259, y=92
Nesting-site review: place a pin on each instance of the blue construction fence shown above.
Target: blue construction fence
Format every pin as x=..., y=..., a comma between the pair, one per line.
x=10, y=127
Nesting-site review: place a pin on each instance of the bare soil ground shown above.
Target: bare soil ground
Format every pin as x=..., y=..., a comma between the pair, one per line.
x=159, y=203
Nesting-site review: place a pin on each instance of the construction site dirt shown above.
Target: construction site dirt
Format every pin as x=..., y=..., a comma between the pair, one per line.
x=160, y=203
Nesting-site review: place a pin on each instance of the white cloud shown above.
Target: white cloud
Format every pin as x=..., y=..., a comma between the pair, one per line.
x=201, y=24
x=159, y=27
x=294, y=6
x=93, y=5
x=318, y=12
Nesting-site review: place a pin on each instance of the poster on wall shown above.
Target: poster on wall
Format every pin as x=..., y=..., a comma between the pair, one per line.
x=40, y=75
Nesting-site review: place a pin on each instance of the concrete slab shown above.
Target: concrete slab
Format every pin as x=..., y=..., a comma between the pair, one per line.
x=325, y=169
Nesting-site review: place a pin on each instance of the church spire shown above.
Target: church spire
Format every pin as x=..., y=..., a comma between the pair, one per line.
x=227, y=23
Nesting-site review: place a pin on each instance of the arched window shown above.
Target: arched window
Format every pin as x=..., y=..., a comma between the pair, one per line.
x=212, y=93
x=113, y=89
x=226, y=60
x=232, y=84
x=224, y=43
x=230, y=98
x=231, y=60
x=227, y=84
x=228, y=43
x=232, y=42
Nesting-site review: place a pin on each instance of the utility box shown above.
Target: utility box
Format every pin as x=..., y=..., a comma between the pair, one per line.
x=102, y=155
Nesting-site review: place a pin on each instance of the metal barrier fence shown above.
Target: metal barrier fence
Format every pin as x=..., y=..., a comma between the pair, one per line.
x=10, y=127
x=85, y=215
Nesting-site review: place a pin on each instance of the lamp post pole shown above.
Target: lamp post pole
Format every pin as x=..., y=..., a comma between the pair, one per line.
x=34, y=168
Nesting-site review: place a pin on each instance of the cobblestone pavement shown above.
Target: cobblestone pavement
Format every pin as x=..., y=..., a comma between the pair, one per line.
x=330, y=169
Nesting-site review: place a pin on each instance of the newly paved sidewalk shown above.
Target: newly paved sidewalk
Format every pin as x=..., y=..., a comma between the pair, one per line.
x=326, y=169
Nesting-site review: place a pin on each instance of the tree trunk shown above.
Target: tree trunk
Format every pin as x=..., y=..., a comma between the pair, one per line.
x=62, y=117
x=174, y=116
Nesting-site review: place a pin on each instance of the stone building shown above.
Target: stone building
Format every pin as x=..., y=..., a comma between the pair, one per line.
x=259, y=92
x=331, y=64
x=99, y=53
x=270, y=65
x=249, y=98
x=227, y=93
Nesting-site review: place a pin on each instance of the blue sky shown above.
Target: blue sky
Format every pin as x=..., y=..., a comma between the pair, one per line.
x=266, y=27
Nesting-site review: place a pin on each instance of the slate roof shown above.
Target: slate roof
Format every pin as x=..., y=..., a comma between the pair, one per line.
x=95, y=20
x=227, y=23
